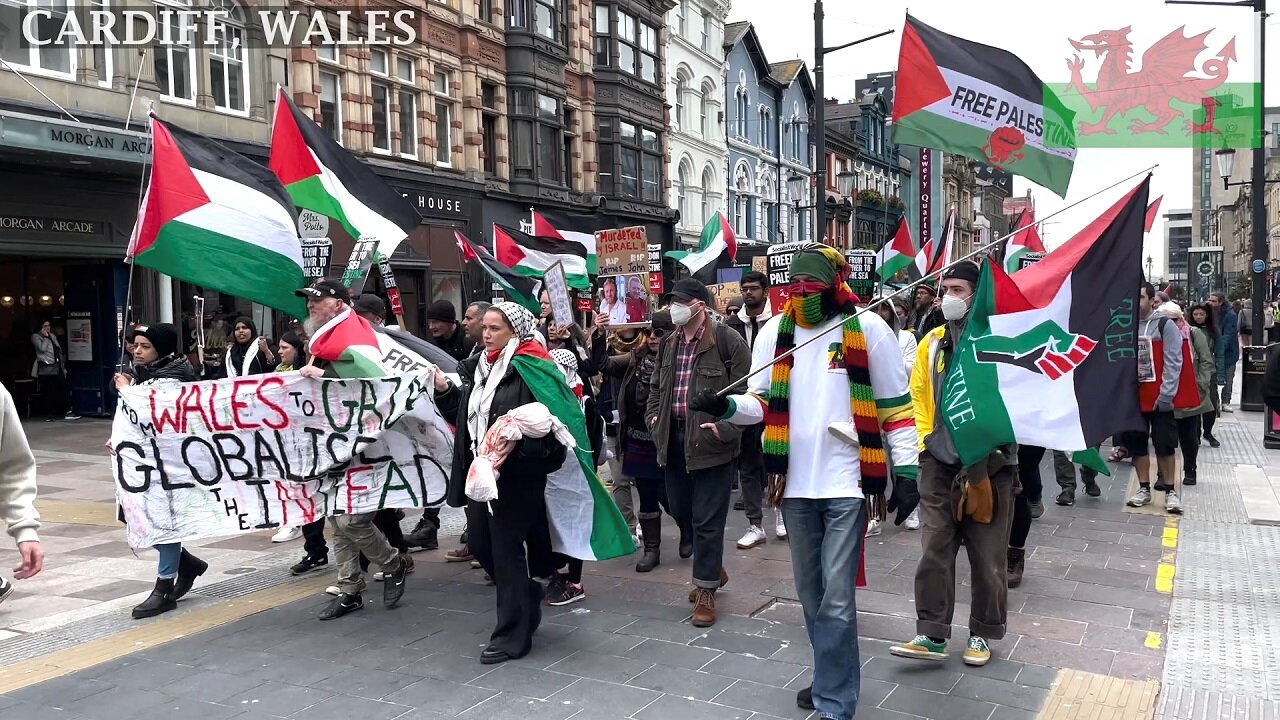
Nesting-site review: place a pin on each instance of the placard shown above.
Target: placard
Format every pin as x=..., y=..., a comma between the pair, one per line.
x=358, y=265
x=1029, y=259
x=722, y=293
x=655, y=271
x=389, y=284
x=79, y=337
x=760, y=264
x=624, y=289
x=862, y=275
x=779, y=270
x=584, y=303
x=316, y=256
x=557, y=287
x=312, y=225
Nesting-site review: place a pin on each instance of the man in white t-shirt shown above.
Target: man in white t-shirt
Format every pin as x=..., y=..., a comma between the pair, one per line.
x=824, y=411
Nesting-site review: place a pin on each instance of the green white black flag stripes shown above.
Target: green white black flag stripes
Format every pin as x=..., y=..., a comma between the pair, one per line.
x=1049, y=357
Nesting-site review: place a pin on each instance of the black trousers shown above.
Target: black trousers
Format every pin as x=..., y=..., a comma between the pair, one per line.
x=1189, y=441
x=313, y=539
x=513, y=546
x=1029, y=458
x=653, y=495
x=699, y=501
x=53, y=396
x=387, y=521
x=751, y=473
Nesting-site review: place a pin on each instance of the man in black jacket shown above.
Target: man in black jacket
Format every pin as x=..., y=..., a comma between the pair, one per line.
x=446, y=332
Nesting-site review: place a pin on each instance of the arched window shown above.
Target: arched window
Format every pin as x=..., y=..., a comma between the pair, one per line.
x=708, y=193
x=704, y=108
x=682, y=99
x=228, y=71
x=767, y=189
x=743, y=109
x=684, y=176
x=742, y=188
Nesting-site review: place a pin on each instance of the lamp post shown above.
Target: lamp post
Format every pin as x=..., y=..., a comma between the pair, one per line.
x=796, y=187
x=820, y=107
x=1226, y=158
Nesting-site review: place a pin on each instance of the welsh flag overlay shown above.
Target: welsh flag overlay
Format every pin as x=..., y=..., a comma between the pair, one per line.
x=214, y=218
x=585, y=522
x=1048, y=357
x=321, y=176
x=717, y=239
x=981, y=102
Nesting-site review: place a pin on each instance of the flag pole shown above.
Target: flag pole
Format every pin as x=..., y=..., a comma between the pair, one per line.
x=910, y=287
x=129, y=256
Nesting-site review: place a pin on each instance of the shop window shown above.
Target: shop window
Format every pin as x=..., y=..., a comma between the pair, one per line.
x=331, y=105
x=228, y=71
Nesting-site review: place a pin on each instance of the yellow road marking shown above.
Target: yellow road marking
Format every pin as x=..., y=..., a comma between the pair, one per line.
x=1154, y=640
x=1169, y=538
x=153, y=634
x=1164, y=578
x=1078, y=695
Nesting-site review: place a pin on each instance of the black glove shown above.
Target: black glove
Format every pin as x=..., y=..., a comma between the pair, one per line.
x=710, y=403
x=905, y=498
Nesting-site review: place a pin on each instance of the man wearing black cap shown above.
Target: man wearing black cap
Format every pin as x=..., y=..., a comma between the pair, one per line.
x=702, y=355
x=981, y=496
x=372, y=308
x=446, y=332
x=924, y=315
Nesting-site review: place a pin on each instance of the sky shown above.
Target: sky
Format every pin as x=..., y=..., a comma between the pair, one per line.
x=1038, y=32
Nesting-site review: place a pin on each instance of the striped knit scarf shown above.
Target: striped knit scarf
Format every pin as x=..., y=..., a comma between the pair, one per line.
x=871, y=455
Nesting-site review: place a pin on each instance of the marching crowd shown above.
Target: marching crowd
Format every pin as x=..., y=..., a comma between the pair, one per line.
x=834, y=436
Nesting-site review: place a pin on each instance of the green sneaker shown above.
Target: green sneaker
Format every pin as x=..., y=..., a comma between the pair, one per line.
x=921, y=648
x=976, y=652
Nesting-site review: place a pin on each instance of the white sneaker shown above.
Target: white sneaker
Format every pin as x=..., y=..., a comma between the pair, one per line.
x=753, y=537
x=1172, y=503
x=287, y=534
x=6, y=589
x=333, y=590
x=782, y=524
x=1140, y=498
x=913, y=520
x=873, y=528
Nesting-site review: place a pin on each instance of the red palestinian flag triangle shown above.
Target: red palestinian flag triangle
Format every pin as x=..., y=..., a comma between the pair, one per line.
x=214, y=218
x=1026, y=239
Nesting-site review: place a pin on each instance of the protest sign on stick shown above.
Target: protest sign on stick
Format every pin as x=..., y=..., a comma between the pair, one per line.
x=624, y=276
x=558, y=292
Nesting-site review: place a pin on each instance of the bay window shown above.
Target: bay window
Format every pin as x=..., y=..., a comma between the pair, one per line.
x=631, y=160
x=331, y=105
x=537, y=136
x=635, y=43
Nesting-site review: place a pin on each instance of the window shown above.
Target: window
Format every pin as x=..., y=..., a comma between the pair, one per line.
x=518, y=17
x=550, y=149
x=742, y=112
x=327, y=52
x=228, y=72
x=175, y=71
x=102, y=52
x=444, y=117
x=408, y=123
x=546, y=19
x=682, y=193
x=486, y=10
x=630, y=160
x=637, y=46
x=489, y=124
x=602, y=40
x=765, y=122
x=706, y=33
x=570, y=146
x=742, y=200
x=650, y=164
x=378, y=66
x=55, y=58
x=638, y=158
x=704, y=108
x=537, y=136
x=381, y=117
x=682, y=89
x=708, y=193
x=405, y=70
x=331, y=105
x=441, y=83
x=604, y=150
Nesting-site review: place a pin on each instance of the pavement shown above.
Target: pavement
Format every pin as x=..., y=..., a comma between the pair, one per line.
x=1122, y=614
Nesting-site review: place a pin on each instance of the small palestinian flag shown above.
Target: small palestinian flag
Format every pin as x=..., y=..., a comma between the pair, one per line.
x=519, y=289
x=321, y=176
x=1047, y=356
x=983, y=103
x=542, y=228
x=531, y=256
x=896, y=254
x=717, y=239
x=214, y=218
x=934, y=254
x=585, y=522
x=1025, y=239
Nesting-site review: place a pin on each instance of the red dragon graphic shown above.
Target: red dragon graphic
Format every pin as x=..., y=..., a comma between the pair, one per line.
x=1165, y=77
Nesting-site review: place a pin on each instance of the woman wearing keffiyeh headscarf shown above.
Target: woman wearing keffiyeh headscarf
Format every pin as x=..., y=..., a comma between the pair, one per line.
x=825, y=450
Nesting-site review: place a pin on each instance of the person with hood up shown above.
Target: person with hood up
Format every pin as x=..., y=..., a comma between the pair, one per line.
x=248, y=353
x=157, y=358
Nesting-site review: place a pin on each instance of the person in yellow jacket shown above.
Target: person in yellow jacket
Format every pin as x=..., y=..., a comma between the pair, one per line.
x=970, y=505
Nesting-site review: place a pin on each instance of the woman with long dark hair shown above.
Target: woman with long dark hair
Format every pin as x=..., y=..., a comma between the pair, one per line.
x=247, y=353
x=1201, y=316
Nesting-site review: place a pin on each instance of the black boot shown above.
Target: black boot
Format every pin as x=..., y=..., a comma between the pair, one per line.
x=161, y=600
x=1017, y=563
x=686, y=543
x=651, y=529
x=425, y=535
x=190, y=567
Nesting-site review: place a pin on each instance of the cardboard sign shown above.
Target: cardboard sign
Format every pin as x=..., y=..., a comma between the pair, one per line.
x=655, y=271
x=722, y=293
x=862, y=276
x=624, y=285
x=316, y=256
x=557, y=287
x=760, y=264
x=358, y=265
x=779, y=271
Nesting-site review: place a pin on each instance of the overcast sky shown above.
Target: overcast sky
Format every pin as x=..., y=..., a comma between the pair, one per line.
x=1037, y=32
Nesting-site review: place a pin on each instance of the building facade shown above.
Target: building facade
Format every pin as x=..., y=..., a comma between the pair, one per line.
x=1177, y=240
x=695, y=94
x=879, y=168
x=976, y=192
x=766, y=128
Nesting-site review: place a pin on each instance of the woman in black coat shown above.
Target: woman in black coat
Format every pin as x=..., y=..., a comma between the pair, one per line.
x=509, y=536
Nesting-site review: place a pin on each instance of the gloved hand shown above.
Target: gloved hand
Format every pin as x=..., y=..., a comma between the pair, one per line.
x=710, y=403
x=906, y=495
x=1164, y=405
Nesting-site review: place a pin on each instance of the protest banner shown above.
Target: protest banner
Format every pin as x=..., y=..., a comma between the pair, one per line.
x=623, y=258
x=722, y=293
x=862, y=275
x=220, y=457
x=316, y=256
x=779, y=264
x=358, y=265
x=557, y=286
x=655, y=272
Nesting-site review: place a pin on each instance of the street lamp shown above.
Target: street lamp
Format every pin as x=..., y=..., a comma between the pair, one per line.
x=844, y=183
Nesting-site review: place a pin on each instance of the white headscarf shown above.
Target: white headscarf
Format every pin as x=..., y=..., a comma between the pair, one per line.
x=489, y=374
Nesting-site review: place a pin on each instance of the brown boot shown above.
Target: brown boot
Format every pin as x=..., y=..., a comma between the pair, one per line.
x=1017, y=560
x=704, y=608
x=724, y=580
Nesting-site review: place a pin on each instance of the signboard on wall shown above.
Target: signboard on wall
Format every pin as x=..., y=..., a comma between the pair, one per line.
x=79, y=337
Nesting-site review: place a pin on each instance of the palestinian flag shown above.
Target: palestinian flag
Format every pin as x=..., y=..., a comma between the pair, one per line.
x=1048, y=356
x=518, y=288
x=214, y=218
x=933, y=254
x=717, y=239
x=542, y=228
x=896, y=254
x=321, y=176
x=585, y=522
x=531, y=256
x=983, y=103
x=1153, y=212
x=1025, y=239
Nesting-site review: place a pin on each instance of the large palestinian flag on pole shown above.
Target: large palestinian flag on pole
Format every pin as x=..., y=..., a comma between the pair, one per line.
x=531, y=256
x=585, y=522
x=717, y=239
x=981, y=102
x=321, y=176
x=519, y=289
x=542, y=228
x=217, y=219
x=1049, y=356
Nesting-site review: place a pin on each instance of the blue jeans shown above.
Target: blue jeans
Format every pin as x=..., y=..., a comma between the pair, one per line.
x=170, y=554
x=826, y=546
